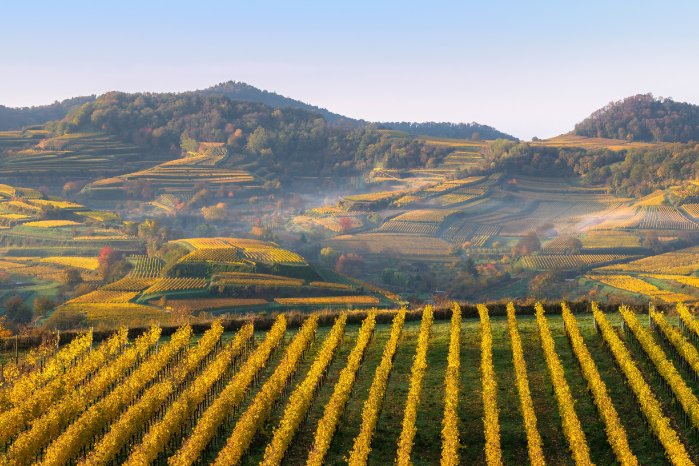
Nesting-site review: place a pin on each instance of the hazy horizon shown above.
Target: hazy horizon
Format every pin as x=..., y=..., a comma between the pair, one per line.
x=530, y=69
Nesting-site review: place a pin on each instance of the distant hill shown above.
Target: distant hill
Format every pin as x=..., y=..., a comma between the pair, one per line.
x=643, y=118
x=16, y=118
x=447, y=130
x=287, y=141
x=239, y=91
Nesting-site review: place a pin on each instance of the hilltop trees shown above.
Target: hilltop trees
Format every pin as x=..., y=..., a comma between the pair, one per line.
x=643, y=118
x=291, y=141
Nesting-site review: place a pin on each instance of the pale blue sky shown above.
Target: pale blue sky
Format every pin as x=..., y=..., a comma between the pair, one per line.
x=530, y=68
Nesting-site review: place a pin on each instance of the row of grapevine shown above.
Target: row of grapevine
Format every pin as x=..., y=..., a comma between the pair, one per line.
x=536, y=455
x=300, y=400
x=259, y=411
x=29, y=443
x=151, y=400
x=329, y=300
x=636, y=285
x=17, y=418
x=450, y=421
x=176, y=284
x=684, y=347
x=649, y=404
x=105, y=296
x=14, y=370
x=688, y=322
x=567, y=261
x=614, y=428
x=145, y=266
x=417, y=374
x=54, y=367
x=159, y=435
x=83, y=430
x=491, y=422
x=372, y=405
x=663, y=365
x=12, y=421
x=229, y=399
x=341, y=392
x=566, y=404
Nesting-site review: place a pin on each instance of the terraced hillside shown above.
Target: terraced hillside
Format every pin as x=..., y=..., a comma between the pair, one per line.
x=178, y=177
x=214, y=275
x=82, y=156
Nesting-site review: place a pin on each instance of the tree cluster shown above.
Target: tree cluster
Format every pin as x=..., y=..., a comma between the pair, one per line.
x=643, y=118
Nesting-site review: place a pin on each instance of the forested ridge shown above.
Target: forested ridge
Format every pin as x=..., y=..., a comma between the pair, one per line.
x=643, y=118
x=239, y=91
x=16, y=118
x=287, y=141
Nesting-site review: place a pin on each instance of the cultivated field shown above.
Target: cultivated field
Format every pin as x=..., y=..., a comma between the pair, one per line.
x=484, y=389
x=179, y=176
x=214, y=275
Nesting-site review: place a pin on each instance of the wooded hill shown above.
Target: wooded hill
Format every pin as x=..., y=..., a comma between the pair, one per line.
x=643, y=117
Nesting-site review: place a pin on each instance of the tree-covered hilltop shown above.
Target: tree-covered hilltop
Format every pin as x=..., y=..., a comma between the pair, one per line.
x=630, y=172
x=285, y=141
x=239, y=91
x=16, y=118
x=447, y=130
x=643, y=118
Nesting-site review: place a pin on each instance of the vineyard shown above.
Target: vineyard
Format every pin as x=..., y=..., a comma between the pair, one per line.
x=145, y=267
x=665, y=218
x=683, y=261
x=556, y=388
x=567, y=262
x=217, y=275
x=637, y=285
x=692, y=210
x=179, y=176
x=424, y=247
x=72, y=155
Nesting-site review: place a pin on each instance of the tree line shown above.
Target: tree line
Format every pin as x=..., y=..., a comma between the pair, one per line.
x=630, y=172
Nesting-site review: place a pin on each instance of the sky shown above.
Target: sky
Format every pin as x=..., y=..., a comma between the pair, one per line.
x=528, y=68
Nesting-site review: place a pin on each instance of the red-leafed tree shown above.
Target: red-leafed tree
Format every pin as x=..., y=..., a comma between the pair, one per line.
x=350, y=263
x=106, y=260
x=345, y=223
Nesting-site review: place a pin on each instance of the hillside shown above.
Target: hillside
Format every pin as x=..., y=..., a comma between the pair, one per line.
x=643, y=118
x=447, y=130
x=17, y=118
x=239, y=91
x=286, y=142
x=214, y=275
